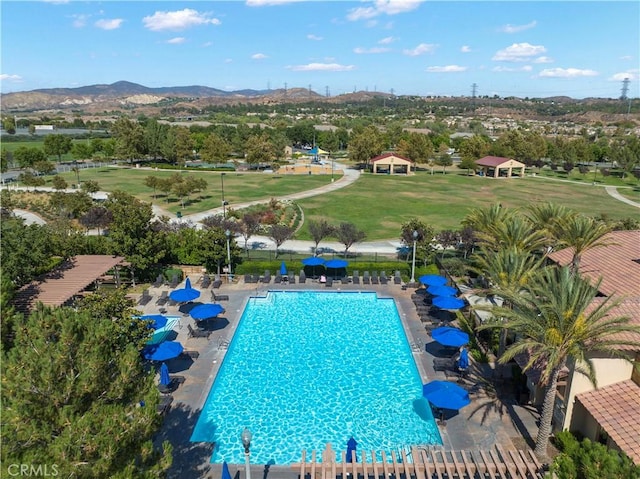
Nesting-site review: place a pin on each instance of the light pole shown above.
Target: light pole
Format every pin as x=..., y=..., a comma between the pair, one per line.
x=331, y=168
x=228, y=235
x=413, y=259
x=246, y=442
x=224, y=203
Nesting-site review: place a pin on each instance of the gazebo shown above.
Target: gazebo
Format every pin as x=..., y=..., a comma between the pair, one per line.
x=391, y=164
x=499, y=167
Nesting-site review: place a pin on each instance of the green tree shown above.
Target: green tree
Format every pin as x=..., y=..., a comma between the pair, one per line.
x=72, y=390
x=90, y=186
x=9, y=125
x=152, y=182
x=416, y=147
x=183, y=145
x=57, y=145
x=348, y=234
x=129, y=139
x=558, y=321
x=319, y=230
x=81, y=151
x=580, y=233
x=472, y=149
x=365, y=145
x=26, y=156
x=29, y=179
x=154, y=134
x=259, y=150
x=279, y=234
x=215, y=149
x=59, y=183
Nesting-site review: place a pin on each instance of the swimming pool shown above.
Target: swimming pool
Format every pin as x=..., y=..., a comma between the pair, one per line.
x=307, y=368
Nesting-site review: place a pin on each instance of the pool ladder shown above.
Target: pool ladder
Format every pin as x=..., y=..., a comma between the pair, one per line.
x=223, y=343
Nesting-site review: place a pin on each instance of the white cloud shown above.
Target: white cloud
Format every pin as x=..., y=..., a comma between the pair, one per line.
x=178, y=20
x=267, y=3
x=111, y=24
x=567, y=73
x=626, y=57
x=525, y=68
x=421, y=49
x=10, y=78
x=386, y=40
x=311, y=36
x=543, y=59
x=177, y=40
x=56, y=2
x=325, y=67
x=207, y=44
x=519, y=52
x=361, y=50
x=632, y=75
x=517, y=28
x=465, y=49
x=228, y=60
x=383, y=7
x=80, y=20
x=446, y=69
x=259, y=56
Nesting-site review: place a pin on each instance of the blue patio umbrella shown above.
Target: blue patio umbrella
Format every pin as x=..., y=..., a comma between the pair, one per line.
x=205, y=311
x=165, y=379
x=432, y=280
x=336, y=264
x=351, y=447
x=283, y=269
x=185, y=294
x=158, y=320
x=447, y=302
x=446, y=395
x=312, y=261
x=448, y=336
x=163, y=351
x=463, y=360
x=225, y=471
x=442, y=290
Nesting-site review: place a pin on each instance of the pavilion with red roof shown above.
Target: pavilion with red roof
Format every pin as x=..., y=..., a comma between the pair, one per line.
x=499, y=167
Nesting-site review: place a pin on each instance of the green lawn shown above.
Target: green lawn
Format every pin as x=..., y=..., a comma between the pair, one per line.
x=238, y=187
x=380, y=204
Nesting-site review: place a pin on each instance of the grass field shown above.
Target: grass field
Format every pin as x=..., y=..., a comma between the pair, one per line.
x=380, y=204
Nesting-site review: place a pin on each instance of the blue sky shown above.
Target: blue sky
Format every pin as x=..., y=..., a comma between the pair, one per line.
x=410, y=47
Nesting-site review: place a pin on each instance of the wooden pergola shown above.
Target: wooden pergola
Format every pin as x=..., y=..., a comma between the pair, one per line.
x=423, y=463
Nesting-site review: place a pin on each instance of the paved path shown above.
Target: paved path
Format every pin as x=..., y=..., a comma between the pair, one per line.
x=613, y=192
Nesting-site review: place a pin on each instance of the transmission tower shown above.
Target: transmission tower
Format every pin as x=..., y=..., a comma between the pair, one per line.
x=285, y=88
x=474, y=90
x=326, y=91
x=309, y=89
x=625, y=89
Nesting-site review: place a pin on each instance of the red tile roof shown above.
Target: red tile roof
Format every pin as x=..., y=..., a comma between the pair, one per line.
x=617, y=409
x=389, y=155
x=618, y=263
x=72, y=277
x=492, y=161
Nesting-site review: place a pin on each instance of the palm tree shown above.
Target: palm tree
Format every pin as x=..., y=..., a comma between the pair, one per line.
x=557, y=322
x=509, y=271
x=514, y=232
x=580, y=233
x=481, y=218
x=544, y=215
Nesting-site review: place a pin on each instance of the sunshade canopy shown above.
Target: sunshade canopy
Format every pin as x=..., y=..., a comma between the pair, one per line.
x=157, y=320
x=163, y=351
x=448, y=336
x=204, y=311
x=432, y=280
x=442, y=290
x=185, y=294
x=447, y=302
x=312, y=261
x=336, y=263
x=446, y=395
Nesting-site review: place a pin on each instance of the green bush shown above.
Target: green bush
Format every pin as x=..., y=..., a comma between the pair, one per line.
x=170, y=272
x=590, y=460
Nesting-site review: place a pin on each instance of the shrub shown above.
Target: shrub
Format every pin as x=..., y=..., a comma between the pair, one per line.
x=170, y=272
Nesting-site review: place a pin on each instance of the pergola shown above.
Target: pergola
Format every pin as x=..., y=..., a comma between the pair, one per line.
x=496, y=167
x=390, y=163
x=68, y=280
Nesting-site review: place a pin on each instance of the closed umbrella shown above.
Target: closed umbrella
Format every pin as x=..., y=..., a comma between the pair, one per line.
x=432, y=280
x=205, y=311
x=225, y=471
x=447, y=302
x=185, y=294
x=165, y=379
x=351, y=447
x=442, y=290
x=446, y=395
x=463, y=360
x=448, y=336
x=163, y=351
x=283, y=269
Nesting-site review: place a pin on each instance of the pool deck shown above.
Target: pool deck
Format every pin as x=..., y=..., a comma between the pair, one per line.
x=493, y=417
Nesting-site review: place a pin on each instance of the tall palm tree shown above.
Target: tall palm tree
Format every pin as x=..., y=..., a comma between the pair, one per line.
x=557, y=322
x=481, y=218
x=509, y=271
x=580, y=233
x=544, y=215
x=514, y=232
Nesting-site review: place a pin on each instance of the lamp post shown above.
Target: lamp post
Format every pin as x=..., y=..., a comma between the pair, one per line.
x=228, y=235
x=246, y=437
x=224, y=203
x=413, y=259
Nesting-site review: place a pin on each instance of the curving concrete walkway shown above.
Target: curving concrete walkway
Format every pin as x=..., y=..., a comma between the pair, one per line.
x=613, y=192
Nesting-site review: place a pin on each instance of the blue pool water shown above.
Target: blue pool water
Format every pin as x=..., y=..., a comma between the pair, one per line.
x=307, y=368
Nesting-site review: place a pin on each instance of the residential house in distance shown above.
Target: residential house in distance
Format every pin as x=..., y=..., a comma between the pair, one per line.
x=610, y=413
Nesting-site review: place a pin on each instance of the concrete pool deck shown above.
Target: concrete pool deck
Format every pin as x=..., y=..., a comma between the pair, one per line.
x=493, y=417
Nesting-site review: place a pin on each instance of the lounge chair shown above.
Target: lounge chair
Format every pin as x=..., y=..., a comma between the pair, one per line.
x=198, y=333
x=329, y=282
x=174, y=281
x=145, y=298
x=248, y=278
x=302, y=277
x=159, y=281
x=174, y=382
x=219, y=297
x=397, y=279
x=366, y=278
x=256, y=278
x=344, y=280
x=190, y=354
x=356, y=277
x=164, y=297
x=383, y=278
x=217, y=282
x=291, y=278
x=206, y=281
x=164, y=405
x=267, y=277
x=374, y=278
